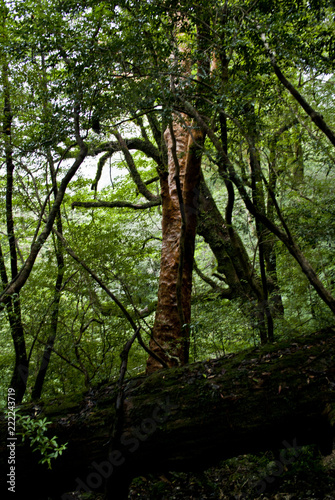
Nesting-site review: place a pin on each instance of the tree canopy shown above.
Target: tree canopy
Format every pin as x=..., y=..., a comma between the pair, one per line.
x=89, y=91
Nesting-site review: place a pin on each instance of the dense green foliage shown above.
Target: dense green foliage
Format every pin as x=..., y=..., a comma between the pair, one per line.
x=80, y=72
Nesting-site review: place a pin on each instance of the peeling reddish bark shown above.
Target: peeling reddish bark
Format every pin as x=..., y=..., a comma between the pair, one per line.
x=170, y=337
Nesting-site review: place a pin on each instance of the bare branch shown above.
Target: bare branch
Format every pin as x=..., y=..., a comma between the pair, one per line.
x=222, y=292
x=150, y=352
x=117, y=204
x=316, y=117
x=133, y=170
x=96, y=278
x=19, y=281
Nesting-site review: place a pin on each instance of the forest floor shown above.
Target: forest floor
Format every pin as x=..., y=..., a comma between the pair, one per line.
x=246, y=477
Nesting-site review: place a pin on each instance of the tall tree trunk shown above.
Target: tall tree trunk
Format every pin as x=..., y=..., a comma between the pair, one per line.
x=232, y=258
x=170, y=337
x=266, y=321
x=13, y=304
x=269, y=240
x=39, y=381
x=20, y=371
x=16, y=284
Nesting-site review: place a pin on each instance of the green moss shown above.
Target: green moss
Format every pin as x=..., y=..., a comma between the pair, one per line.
x=63, y=404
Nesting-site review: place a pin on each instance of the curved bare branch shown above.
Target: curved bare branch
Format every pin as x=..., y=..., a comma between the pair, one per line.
x=117, y=204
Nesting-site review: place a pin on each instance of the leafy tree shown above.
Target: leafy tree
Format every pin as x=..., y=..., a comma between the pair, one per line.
x=221, y=114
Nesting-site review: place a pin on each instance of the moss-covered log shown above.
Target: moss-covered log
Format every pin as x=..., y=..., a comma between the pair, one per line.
x=185, y=419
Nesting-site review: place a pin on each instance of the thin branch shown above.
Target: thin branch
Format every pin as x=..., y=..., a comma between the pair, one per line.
x=223, y=292
x=46, y=313
x=134, y=143
x=117, y=204
x=133, y=170
x=96, y=278
x=123, y=368
x=150, y=352
x=316, y=117
x=3, y=271
x=149, y=239
x=17, y=283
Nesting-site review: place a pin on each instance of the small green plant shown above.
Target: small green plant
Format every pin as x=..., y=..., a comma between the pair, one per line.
x=35, y=430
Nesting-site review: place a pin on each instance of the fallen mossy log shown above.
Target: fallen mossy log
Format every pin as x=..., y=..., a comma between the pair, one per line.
x=189, y=418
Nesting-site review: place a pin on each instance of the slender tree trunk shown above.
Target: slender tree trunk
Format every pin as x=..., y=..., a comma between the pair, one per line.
x=13, y=304
x=262, y=310
x=170, y=338
x=268, y=239
x=265, y=316
x=39, y=381
x=16, y=284
x=316, y=117
x=231, y=255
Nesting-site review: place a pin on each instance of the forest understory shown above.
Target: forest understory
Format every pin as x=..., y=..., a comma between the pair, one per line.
x=306, y=479
x=309, y=477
